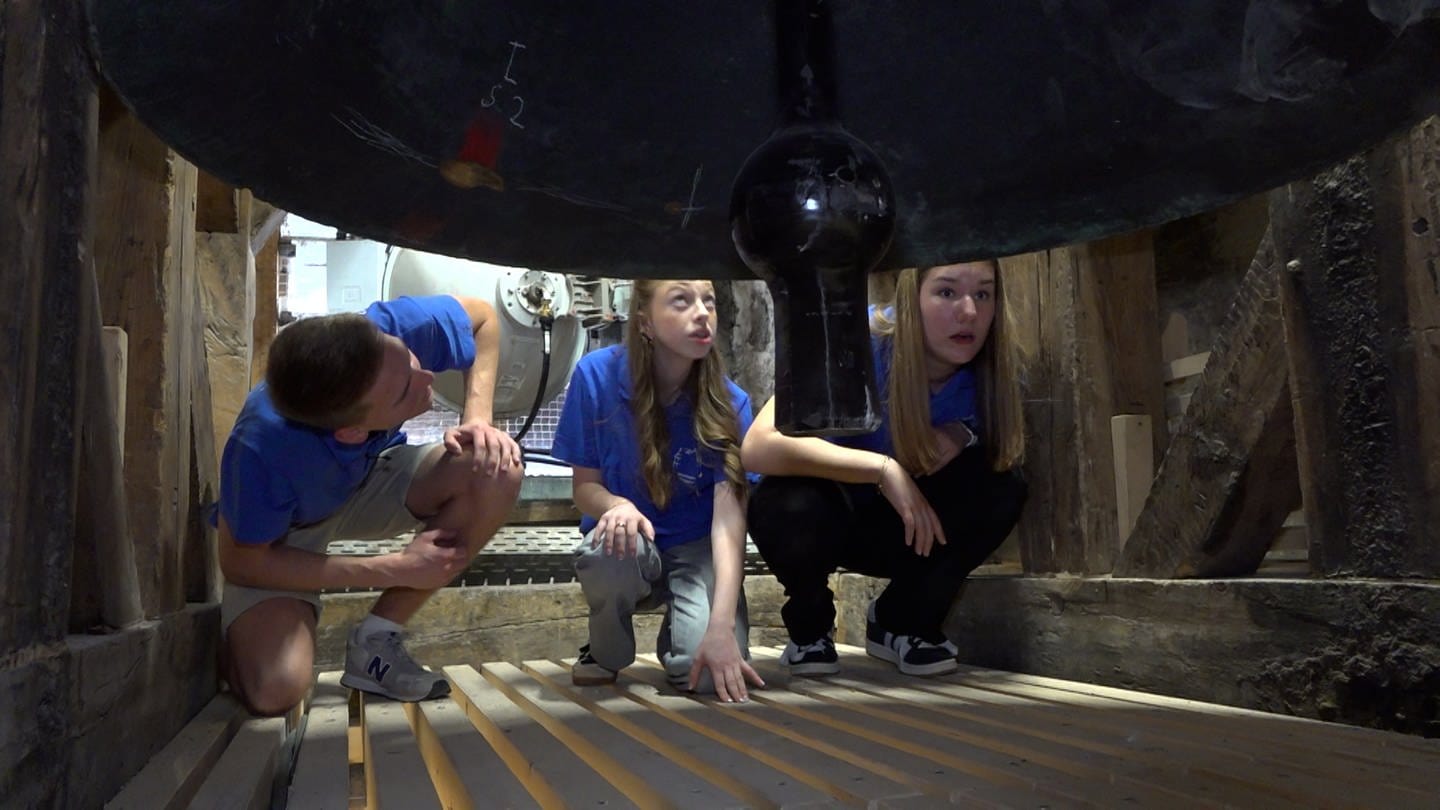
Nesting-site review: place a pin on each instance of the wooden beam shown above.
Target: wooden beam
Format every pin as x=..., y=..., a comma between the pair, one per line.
x=217, y=206
x=1188, y=366
x=47, y=152
x=1130, y=439
x=105, y=591
x=1094, y=320
x=144, y=242
x=267, y=304
x=1207, y=515
x=115, y=345
x=1362, y=318
x=201, y=562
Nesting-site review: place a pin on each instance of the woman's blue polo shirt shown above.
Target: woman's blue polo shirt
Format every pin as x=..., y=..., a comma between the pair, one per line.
x=597, y=430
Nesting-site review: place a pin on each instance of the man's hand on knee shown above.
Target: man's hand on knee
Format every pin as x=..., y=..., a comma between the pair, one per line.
x=492, y=448
x=432, y=560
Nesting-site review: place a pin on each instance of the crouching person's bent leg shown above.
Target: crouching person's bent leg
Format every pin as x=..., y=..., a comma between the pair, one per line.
x=690, y=578
x=269, y=651
x=412, y=487
x=614, y=587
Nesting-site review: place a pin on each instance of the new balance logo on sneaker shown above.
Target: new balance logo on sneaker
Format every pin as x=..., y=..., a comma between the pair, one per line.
x=812, y=660
x=912, y=655
x=380, y=665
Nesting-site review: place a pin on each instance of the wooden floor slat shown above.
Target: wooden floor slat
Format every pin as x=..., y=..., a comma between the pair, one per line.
x=696, y=753
x=322, y=770
x=932, y=762
x=846, y=776
x=395, y=774
x=522, y=735
x=552, y=773
x=1135, y=782
x=1260, y=726
x=1241, y=771
x=244, y=777
x=970, y=766
x=461, y=762
x=1286, y=741
x=645, y=777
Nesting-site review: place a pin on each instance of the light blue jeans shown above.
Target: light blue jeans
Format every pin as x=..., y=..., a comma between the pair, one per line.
x=681, y=577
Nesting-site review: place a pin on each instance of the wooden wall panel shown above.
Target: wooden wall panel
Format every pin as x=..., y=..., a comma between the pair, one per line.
x=1362, y=307
x=144, y=243
x=1093, y=315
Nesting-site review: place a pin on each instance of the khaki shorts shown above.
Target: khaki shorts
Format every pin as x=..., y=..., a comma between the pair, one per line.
x=375, y=512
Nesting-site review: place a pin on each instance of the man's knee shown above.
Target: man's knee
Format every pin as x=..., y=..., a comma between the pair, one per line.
x=455, y=478
x=271, y=693
x=499, y=490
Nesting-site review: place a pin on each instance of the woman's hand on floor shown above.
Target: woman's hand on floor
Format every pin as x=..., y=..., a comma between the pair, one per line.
x=720, y=653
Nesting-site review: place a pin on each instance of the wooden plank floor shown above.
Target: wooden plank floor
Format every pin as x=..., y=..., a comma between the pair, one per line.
x=523, y=736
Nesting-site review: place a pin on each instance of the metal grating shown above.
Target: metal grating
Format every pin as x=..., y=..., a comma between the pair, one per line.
x=516, y=555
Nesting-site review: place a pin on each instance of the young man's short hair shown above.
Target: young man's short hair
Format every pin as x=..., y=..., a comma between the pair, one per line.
x=320, y=369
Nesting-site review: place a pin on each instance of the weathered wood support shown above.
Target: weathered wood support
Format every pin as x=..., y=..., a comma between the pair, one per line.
x=1228, y=479
x=267, y=301
x=217, y=206
x=225, y=268
x=1360, y=244
x=1092, y=315
x=105, y=588
x=144, y=249
x=1132, y=442
x=47, y=149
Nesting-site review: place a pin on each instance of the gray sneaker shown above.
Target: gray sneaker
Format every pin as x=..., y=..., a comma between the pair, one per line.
x=380, y=665
x=586, y=672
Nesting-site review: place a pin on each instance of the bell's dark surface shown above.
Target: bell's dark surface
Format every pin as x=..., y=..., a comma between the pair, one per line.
x=812, y=212
x=605, y=137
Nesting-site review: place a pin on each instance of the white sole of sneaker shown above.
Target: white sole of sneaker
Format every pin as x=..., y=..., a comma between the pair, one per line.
x=440, y=689
x=813, y=670
x=885, y=653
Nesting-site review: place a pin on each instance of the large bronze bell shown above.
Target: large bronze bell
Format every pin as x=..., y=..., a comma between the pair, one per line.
x=607, y=138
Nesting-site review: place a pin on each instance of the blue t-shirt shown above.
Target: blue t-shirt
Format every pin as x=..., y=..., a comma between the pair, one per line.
x=955, y=402
x=597, y=430
x=276, y=474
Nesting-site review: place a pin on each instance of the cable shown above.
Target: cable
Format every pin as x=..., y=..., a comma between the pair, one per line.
x=546, y=315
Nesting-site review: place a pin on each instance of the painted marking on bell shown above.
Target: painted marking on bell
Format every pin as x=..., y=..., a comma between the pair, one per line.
x=691, y=208
x=519, y=100
x=370, y=133
x=515, y=47
x=572, y=197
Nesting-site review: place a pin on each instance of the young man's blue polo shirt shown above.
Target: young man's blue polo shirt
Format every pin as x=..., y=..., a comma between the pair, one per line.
x=597, y=430
x=276, y=474
x=955, y=402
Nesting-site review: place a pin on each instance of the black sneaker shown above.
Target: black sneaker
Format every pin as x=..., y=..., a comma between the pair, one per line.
x=811, y=660
x=912, y=655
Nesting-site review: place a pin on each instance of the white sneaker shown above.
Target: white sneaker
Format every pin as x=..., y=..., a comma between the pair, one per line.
x=379, y=664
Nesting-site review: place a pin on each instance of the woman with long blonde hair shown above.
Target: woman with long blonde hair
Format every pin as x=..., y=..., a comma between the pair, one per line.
x=652, y=429
x=924, y=499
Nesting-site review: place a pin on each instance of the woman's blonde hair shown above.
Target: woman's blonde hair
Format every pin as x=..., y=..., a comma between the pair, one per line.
x=716, y=426
x=998, y=368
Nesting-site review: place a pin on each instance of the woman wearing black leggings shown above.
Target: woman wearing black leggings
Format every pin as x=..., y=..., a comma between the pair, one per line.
x=923, y=500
